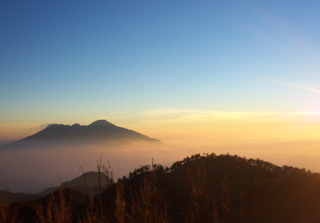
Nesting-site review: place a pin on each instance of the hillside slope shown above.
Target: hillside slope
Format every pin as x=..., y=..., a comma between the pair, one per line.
x=206, y=188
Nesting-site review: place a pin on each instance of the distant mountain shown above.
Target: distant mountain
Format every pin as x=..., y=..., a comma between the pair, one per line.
x=86, y=183
x=98, y=131
x=8, y=197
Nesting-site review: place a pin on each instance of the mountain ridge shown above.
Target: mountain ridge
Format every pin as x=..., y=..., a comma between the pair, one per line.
x=252, y=190
x=98, y=131
x=86, y=181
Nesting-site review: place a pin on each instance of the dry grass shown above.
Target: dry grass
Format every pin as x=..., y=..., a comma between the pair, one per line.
x=93, y=214
x=226, y=200
x=120, y=211
x=57, y=209
x=148, y=204
x=243, y=205
x=202, y=207
x=95, y=210
x=6, y=213
x=151, y=205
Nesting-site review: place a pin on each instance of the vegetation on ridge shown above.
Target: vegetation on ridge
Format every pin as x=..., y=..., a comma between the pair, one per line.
x=202, y=188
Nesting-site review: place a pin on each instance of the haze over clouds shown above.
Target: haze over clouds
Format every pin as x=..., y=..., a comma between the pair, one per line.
x=37, y=169
x=33, y=170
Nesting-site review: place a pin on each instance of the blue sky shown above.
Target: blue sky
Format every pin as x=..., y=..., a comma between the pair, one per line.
x=72, y=61
x=205, y=76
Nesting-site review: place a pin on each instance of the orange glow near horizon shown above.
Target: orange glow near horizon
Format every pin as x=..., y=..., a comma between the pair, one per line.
x=282, y=139
x=235, y=128
x=203, y=127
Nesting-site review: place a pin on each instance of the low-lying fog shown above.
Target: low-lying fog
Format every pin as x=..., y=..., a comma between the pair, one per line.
x=33, y=170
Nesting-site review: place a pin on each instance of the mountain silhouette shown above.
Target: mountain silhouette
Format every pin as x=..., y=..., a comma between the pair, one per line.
x=87, y=181
x=98, y=131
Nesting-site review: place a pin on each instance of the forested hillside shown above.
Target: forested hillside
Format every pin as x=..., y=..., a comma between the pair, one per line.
x=200, y=188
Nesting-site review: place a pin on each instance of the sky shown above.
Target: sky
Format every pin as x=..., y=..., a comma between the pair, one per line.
x=219, y=72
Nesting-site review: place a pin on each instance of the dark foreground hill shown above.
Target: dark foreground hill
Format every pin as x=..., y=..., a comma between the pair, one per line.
x=206, y=188
x=98, y=132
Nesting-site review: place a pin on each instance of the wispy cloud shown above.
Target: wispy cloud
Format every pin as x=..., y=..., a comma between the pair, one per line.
x=296, y=86
x=185, y=117
x=176, y=111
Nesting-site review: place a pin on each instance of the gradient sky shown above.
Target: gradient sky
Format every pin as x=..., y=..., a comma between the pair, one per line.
x=155, y=66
